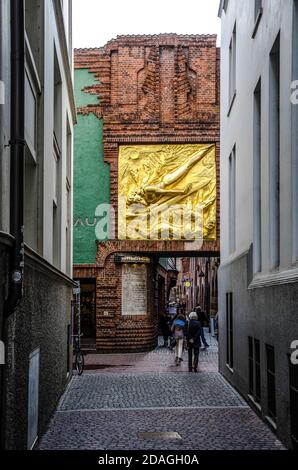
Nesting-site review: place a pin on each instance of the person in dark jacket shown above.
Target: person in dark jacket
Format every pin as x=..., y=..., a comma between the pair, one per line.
x=193, y=337
x=202, y=318
x=164, y=326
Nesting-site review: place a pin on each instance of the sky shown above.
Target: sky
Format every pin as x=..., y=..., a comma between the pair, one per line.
x=95, y=22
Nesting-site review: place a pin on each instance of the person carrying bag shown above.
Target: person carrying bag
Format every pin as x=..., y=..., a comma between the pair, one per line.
x=193, y=342
x=178, y=329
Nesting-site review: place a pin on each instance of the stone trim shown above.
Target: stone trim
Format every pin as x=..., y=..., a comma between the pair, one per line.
x=34, y=259
x=6, y=239
x=65, y=56
x=289, y=276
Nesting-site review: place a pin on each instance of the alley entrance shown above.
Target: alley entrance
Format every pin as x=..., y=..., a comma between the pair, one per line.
x=123, y=402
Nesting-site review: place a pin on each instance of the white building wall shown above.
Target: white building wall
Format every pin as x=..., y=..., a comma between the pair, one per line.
x=4, y=115
x=252, y=62
x=53, y=31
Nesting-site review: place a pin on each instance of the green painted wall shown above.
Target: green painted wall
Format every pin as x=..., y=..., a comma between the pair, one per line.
x=91, y=174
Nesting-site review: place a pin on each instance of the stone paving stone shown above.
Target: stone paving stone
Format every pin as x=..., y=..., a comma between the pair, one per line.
x=149, y=391
x=159, y=360
x=145, y=393
x=200, y=429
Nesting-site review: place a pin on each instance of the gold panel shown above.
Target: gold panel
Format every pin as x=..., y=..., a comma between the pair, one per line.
x=161, y=179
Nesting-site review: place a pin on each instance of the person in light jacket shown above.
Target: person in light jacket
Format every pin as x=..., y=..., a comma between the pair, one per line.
x=178, y=329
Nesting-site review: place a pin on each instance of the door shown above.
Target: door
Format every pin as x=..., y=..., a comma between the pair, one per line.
x=33, y=397
x=88, y=309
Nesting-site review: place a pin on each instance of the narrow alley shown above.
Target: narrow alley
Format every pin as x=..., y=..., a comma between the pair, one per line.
x=143, y=401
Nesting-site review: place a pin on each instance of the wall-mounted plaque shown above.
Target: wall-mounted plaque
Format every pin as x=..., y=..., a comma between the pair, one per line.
x=134, y=289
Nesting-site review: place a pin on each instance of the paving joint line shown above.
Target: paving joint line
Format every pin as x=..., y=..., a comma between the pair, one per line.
x=157, y=408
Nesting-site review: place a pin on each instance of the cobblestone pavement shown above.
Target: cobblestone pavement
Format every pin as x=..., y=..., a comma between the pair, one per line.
x=159, y=360
x=108, y=408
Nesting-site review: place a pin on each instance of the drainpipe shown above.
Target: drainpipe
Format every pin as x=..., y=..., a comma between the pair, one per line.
x=17, y=162
x=17, y=154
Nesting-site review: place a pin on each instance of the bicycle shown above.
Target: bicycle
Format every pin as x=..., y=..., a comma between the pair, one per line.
x=78, y=355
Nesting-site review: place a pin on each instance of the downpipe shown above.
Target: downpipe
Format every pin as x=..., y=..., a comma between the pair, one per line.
x=17, y=155
x=17, y=163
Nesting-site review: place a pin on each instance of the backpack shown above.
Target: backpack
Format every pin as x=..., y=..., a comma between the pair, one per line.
x=179, y=324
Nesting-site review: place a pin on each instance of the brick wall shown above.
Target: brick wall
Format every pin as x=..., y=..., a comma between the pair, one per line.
x=152, y=89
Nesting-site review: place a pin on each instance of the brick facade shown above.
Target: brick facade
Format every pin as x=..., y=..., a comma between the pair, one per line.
x=153, y=90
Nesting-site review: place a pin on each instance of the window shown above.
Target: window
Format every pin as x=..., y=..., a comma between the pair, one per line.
x=31, y=114
x=232, y=69
x=251, y=366
x=293, y=372
x=32, y=92
x=232, y=201
x=254, y=369
x=68, y=343
x=271, y=395
x=274, y=155
x=257, y=224
x=258, y=8
x=225, y=5
x=56, y=204
x=33, y=18
x=257, y=371
x=57, y=177
x=229, y=331
x=57, y=102
x=68, y=198
x=257, y=15
x=295, y=135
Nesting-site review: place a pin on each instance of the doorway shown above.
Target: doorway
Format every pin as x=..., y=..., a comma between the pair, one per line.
x=88, y=310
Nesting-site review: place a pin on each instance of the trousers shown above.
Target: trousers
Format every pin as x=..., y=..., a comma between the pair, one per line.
x=193, y=356
x=179, y=347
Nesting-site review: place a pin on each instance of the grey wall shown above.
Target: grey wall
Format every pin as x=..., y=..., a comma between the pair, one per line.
x=269, y=315
x=265, y=302
x=40, y=321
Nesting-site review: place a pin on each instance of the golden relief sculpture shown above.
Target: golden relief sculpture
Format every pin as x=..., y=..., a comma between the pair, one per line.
x=163, y=188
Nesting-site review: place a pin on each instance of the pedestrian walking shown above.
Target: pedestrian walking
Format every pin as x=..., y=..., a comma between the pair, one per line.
x=216, y=326
x=164, y=327
x=178, y=329
x=202, y=318
x=193, y=338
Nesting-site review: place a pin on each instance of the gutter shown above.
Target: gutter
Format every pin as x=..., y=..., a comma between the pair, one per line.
x=17, y=155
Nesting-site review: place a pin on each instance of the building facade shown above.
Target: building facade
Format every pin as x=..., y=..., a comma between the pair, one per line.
x=147, y=138
x=258, y=281
x=37, y=118
x=197, y=283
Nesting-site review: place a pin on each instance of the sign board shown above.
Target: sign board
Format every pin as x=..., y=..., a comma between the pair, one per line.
x=77, y=289
x=131, y=259
x=134, y=289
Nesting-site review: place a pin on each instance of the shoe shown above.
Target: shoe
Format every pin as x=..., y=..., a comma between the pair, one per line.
x=195, y=370
x=190, y=369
